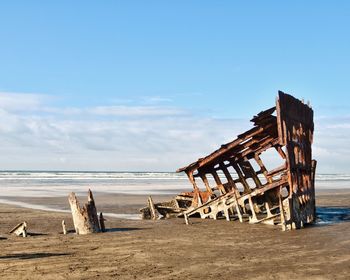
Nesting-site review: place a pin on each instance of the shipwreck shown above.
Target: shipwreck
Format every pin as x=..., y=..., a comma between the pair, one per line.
x=237, y=184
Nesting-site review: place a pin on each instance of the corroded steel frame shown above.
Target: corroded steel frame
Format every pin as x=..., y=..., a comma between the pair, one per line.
x=282, y=195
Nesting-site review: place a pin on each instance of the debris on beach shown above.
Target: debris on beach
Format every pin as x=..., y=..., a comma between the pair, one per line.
x=20, y=229
x=85, y=219
x=238, y=185
x=166, y=209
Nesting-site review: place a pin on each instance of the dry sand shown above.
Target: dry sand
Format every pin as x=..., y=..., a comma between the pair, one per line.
x=168, y=249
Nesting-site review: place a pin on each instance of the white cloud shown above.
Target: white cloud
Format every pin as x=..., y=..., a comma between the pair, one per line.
x=36, y=135
x=135, y=111
x=125, y=138
x=20, y=101
x=331, y=141
x=156, y=99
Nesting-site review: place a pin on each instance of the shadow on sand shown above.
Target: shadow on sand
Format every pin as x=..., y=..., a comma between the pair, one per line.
x=327, y=215
x=122, y=229
x=27, y=256
x=36, y=234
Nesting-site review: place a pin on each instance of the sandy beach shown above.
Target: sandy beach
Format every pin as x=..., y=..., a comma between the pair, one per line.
x=168, y=249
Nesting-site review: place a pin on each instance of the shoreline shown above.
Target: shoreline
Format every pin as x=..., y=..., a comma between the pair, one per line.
x=114, y=204
x=126, y=203
x=48, y=209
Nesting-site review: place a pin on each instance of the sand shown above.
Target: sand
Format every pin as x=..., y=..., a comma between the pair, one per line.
x=168, y=249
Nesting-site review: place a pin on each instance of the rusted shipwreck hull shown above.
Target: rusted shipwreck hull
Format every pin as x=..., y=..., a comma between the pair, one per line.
x=238, y=185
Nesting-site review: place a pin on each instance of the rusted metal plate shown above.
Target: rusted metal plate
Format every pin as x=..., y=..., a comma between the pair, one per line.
x=297, y=127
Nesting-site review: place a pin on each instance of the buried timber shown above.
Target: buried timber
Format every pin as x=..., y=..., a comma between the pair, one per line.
x=237, y=183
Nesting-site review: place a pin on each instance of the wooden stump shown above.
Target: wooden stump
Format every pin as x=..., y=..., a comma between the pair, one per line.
x=102, y=223
x=85, y=219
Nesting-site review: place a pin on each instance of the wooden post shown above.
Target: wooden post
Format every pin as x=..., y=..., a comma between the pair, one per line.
x=85, y=219
x=253, y=218
x=64, y=227
x=206, y=183
x=102, y=223
x=186, y=219
x=24, y=233
x=154, y=215
x=218, y=182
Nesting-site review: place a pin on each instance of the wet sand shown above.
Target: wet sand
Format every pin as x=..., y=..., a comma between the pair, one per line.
x=168, y=249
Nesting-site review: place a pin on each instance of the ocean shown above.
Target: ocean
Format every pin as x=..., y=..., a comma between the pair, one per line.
x=60, y=183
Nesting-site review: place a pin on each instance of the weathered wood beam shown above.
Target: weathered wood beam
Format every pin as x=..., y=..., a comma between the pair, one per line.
x=85, y=219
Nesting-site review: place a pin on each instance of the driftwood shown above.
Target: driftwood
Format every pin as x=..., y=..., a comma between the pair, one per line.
x=64, y=229
x=85, y=219
x=20, y=229
x=166, y=209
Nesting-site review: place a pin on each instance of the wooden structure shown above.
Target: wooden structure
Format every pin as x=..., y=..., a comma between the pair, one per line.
x=166, y=209
x=85, y=219
x=237, y=183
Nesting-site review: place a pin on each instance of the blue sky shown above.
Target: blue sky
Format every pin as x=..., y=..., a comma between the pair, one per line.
x=124, y=82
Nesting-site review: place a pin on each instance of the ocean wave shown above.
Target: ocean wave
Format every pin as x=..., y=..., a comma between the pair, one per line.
x=90, y=176
x=110, y=176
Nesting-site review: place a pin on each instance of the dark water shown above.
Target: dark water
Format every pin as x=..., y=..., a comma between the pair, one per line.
x=332, y=215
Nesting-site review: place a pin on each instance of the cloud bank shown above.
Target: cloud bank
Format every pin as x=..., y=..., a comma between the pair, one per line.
x=37, y=135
